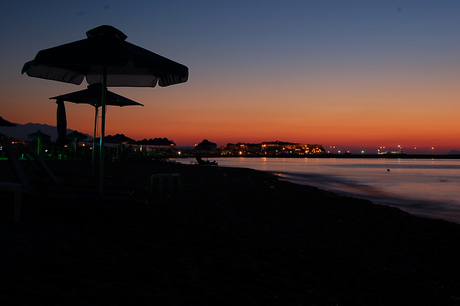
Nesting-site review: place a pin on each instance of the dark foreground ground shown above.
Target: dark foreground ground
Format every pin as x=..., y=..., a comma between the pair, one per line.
x=233, y=236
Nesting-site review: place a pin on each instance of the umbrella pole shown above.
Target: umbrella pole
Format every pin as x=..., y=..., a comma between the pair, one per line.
x=93, y=154
x=103, y=102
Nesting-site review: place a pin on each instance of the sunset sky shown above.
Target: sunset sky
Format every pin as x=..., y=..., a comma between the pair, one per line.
x=356, y=75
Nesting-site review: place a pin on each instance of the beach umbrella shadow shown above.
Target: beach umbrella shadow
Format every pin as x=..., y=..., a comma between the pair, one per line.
x=105, y=57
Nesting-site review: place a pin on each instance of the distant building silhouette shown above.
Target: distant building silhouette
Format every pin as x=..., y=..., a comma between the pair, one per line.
x=271, y=148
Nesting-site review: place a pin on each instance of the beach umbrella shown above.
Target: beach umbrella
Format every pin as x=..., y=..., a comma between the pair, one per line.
x=142, y=143
x=205, y=145
x=76, y=136
x=118, y=139
x=4, y=122
x=39, y=137
x=92, y=96
x=161, y=142
x=105, y=57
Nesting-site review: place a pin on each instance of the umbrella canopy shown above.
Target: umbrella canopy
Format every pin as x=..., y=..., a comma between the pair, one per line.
x=4, y=122
x=105, y=48
x=155, y=142
x=105, y=57
x=161, y=142
x=118, y=138
x=92, y=96
x=38, y=135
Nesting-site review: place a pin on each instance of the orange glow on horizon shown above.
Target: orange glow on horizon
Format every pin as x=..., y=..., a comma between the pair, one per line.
x=314, y=113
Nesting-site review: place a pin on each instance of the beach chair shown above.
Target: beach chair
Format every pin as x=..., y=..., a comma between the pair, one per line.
x=87, y=195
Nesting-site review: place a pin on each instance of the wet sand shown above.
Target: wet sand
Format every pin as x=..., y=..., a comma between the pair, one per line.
x=232, y=236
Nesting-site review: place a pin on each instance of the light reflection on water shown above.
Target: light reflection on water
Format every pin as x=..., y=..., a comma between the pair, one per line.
x=427, y=187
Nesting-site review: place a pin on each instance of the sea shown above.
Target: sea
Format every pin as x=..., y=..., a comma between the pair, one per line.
x=423, y=187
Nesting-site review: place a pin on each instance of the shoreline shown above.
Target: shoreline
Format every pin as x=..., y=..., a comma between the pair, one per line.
x=234, y=235
x=378, y=156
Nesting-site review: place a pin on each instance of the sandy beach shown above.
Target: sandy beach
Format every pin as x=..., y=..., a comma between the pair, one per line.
x=232, y=236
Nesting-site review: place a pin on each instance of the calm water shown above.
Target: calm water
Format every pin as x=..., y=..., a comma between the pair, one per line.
x=426, y=187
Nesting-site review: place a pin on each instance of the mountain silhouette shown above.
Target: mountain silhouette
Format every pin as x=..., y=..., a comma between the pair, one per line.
x=20, y=131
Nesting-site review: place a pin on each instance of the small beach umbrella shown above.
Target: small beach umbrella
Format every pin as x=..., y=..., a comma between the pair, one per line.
x=205, y=145
x=39, y=137
x=92, y=96
x=161, y=142
x=105, y=57
x=76, y=136
x=4, y=122
x=118, y=139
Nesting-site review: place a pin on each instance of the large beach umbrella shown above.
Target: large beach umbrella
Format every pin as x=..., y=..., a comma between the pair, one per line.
x=105, y=57
x=4, y=122
x=91, y=96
